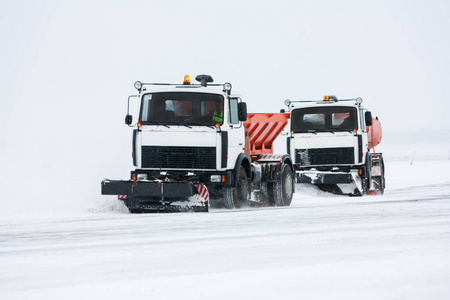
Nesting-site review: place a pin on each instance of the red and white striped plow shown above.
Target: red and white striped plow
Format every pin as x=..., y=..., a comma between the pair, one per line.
x=202, y=191
x=121, y=197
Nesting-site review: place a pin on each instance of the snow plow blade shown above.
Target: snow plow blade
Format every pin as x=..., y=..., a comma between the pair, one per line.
x=138, y=206
x=153, y=189
x=341, y=183
x=158, y=196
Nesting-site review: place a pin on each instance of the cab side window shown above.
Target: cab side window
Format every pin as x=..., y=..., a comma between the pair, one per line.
x=233, y=113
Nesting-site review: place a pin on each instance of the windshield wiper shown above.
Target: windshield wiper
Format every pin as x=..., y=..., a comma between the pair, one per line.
x=312, y=131
x=181, y=124
x=200, y=124
x=158, y=124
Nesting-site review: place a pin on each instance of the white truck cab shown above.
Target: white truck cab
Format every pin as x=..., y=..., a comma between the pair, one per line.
x=190, y=141
x=329, y=144
x=187, y=127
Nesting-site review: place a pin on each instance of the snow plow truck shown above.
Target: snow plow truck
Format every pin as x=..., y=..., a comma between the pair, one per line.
x=195, y=145
x=332, y=143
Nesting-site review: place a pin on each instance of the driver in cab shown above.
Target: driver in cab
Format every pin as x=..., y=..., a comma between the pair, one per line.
x=218, y=112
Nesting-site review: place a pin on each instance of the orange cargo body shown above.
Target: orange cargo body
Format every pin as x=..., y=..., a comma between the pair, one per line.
x=261, y=130
x=374, y=133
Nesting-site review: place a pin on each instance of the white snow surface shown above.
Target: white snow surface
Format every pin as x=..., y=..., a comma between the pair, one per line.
x=323, y=246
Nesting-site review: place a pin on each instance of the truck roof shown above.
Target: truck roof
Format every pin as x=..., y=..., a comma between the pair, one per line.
x=315, y=103
x=205, y=86
x=216, y=89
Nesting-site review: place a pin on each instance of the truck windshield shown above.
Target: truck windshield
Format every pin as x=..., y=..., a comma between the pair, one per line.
x=180, y=108
x=323, y=119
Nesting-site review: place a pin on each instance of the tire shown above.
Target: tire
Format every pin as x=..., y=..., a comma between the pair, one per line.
x=365, y=182
x=383, y=180
x=283, y=190
x=270, y=193
x=236, y=197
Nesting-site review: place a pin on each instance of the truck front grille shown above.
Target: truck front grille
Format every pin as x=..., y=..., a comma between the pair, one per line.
x=325, y=156
x=178, y=157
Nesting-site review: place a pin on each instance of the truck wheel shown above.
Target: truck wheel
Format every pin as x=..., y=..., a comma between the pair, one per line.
x=365, y=182
x=235, y=197
x=268, y=189
x=284, y=189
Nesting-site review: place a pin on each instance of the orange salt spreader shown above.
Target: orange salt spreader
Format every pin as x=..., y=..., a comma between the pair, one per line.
x=374, y=133
x=261, y=130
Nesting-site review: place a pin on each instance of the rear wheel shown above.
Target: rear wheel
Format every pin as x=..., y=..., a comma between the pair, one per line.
x=365, y=181
x=235, y=197
x=283, y=190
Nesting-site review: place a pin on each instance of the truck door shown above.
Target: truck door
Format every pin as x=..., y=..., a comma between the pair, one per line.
x=236, y=137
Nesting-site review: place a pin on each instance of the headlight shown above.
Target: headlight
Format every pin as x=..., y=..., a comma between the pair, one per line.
x=287, y=102
x=216, y=178
x=138, y=85
x=141, y=176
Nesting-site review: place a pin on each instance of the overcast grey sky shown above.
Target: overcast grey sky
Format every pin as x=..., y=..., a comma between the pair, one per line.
x=394, y=54
x=67, y=67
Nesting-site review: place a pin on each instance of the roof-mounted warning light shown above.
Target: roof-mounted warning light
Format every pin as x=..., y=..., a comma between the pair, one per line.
x=330, y=98
x=204, y=79
x=186, y=80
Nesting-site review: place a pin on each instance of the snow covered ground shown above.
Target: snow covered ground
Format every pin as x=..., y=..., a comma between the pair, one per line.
x=67, y=68
x=323, y=246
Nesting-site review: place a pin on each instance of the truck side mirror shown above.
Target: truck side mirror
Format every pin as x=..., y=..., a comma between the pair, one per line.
x=368, y=117
x=128, y=119
x=242, y=111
